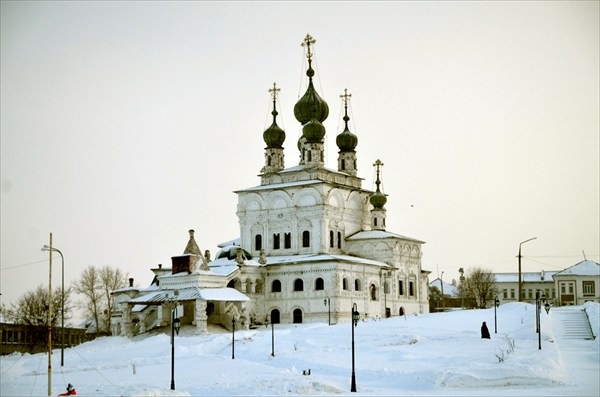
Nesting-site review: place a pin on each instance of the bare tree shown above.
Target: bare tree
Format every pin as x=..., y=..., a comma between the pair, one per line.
x=111, y=279
x=90, y=287
x=31, y=310
x=478, y=285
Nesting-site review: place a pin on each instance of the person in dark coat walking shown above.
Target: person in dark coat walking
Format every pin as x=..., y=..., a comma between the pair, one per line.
x=485, y=333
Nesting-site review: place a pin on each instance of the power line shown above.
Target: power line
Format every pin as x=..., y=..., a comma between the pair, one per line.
x=23, y=265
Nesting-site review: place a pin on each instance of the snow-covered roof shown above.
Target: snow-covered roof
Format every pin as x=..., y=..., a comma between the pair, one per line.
x=449, y=289
x=235, y=241
x=529, y=277
x=379, y=234
x=188, y=294
x=583, y=268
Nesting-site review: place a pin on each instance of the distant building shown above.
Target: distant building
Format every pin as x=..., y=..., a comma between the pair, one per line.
x=578, y=284
x=507, y=285
x=313, y=242
x=33, y=339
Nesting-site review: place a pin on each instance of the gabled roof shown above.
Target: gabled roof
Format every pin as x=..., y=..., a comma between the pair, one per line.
x=190, y=294
x=583, y=268
x=449, y=289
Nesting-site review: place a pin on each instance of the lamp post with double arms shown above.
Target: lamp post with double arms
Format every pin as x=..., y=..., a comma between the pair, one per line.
x=496, y=304
x=327, y=302
x=46, y=247
x=520, y=286
x=354, y=323
x=175, y=325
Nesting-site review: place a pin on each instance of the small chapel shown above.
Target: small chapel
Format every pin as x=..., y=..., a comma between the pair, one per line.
x=313, y=245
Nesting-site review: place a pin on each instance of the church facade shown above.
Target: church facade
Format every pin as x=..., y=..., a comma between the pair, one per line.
x=313, y=245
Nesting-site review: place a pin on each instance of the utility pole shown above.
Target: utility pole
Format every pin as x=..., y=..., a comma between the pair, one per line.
x=50, y=321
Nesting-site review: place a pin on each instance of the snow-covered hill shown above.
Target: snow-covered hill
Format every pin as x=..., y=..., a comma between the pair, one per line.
x=429, y=354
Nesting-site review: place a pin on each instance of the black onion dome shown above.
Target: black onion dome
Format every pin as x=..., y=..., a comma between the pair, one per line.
x=274, y=136
x=313, y=131
x=346, y=140
x=378, y=199
x=311, y=104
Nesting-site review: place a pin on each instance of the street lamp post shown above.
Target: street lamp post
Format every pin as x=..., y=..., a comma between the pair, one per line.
x=539, y=300
x=272, y=334
x=327, y=302
x=175, y=325
x=496, y=304
x=233, y=338
x=46, y=247
x=442, y=285
x=462, y=279
x=520, y=281
x=354, y=323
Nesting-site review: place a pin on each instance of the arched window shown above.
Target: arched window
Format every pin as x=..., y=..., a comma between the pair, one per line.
x=258, y=242
x=345, y=284
x=298, y=284
x=319, y=284
x=231, y=284
x=305, y=239
x=331, y=238
x=248, y=286
x=297, y=316
x=400, y=287
x=339, y=245
x=343, y=165
x=287, y=240
x=373, y=292
x=357, y=285
x=276, y=241
x=411, y=288
x=275, y=316
x=276, y=286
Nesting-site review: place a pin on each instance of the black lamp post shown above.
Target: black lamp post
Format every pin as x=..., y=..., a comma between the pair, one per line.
x=327, y=302
x=520, y=285
x=538, y=308
x=233, y=338
x=354, y=323
x=462, y=279
x=267, y=320
x=175, y=325
x=496, y=304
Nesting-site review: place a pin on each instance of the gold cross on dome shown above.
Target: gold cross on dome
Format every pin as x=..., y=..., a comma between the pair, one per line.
x=274, y=91
x=308, y=40
x=346, y=97
x=378, y=164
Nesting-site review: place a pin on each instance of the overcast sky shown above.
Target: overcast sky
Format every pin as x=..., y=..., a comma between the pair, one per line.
x=124, y=124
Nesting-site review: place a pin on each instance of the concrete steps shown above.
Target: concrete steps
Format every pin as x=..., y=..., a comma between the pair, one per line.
x=571, y=323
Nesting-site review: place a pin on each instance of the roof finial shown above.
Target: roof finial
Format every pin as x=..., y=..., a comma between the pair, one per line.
x=346, y=98
x=274, y=91
x=308, y=40
x=377, y=164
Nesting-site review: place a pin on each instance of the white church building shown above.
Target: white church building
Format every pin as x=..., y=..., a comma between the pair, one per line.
x=313, y=243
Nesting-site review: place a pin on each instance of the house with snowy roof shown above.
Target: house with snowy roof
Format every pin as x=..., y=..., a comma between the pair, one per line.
x=507, y=285
x=578, y=284
x=313, y=244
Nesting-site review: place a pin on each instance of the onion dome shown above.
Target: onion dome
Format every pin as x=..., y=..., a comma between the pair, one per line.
x=313, y=131
x=346, y=141
x=311, y=105
x=378, y=199
x=274, y=136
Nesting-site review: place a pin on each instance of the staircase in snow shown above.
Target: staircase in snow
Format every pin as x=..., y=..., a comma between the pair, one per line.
x=571, y=323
